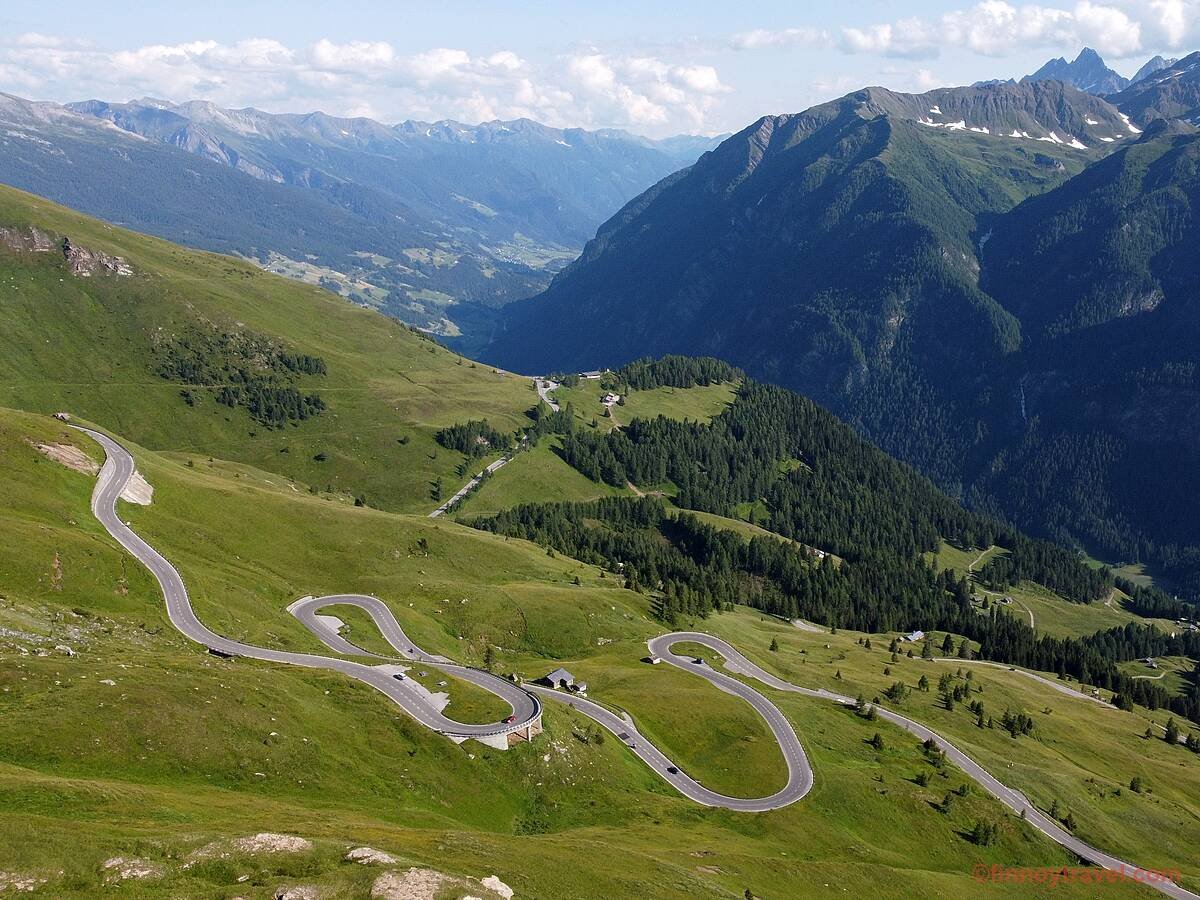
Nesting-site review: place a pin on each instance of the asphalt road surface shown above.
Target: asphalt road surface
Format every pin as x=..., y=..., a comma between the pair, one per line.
x=119, y=467
x=800, y=774
x=544, y=387
x=1013, y=799
x=525, y=707
x=117, y=470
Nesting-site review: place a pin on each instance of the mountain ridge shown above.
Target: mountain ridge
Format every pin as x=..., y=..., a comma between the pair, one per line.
x=847, y=252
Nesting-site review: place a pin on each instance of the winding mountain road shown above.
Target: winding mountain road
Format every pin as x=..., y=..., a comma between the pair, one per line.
x=119, y=468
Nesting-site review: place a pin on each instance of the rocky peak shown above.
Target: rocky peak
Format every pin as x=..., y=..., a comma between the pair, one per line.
x=1157, y=64
x=1087, y=71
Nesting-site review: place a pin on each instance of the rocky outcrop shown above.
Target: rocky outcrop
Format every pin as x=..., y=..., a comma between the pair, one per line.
x=122, y=868
x=82, y=262
x=31, y=240
x=370, y=856
x=85, y=263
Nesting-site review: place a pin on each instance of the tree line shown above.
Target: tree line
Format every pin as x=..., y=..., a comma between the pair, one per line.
x=241, y=368
x=692, y=568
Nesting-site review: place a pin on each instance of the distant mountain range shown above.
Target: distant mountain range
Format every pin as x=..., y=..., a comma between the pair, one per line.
x=434, y=223
x=991, y=282
x=1088, y=72
x=1172, y=92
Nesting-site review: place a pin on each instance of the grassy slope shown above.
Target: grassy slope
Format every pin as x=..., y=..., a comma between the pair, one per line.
x=699, y=404
x=90, y=771
x=1052, y=614
x=541, y=475
x=1082, y=755
x=84, y=345
x=233, y=747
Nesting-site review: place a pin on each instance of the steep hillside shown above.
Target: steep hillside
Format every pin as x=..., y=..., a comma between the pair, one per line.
x=415, y=219
x=838, y=252
x=1102, y=274
x=1171, y=92
x=833, y=251
x=201, y=354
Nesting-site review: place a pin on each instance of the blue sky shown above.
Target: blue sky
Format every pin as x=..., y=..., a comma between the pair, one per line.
x=652, y=67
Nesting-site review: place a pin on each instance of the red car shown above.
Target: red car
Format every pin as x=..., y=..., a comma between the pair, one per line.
x=510, y=720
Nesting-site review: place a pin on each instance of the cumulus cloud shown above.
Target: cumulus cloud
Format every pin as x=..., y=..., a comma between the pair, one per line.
x=1117, y=28
x=584, y=88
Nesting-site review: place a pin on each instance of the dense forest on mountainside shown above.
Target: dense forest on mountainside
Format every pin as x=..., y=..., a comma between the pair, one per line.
x=699, y=568
x=819, y=481
x=820, y=485
x=1012, y=315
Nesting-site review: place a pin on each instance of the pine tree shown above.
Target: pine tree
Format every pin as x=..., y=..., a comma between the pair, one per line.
x=1172, y=734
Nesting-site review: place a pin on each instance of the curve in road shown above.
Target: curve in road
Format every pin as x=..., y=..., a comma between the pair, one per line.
x=118, y=469
x=1011, y=798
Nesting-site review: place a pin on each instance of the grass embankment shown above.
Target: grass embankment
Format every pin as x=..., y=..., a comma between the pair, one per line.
x=537, y=476
x=467, y=702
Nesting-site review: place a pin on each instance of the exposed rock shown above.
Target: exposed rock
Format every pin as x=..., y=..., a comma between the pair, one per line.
x=263, y=842
x=415, y=884
x=428, y=884
x=121, y=868
x=32, y=241
x=85, y=263
x=370, y=856
x=267, y=842
x=15, y=881
x=137, y=490
x=68, y=455
x=496, y=886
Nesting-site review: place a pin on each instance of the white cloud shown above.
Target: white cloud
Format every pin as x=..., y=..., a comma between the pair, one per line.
x=586, y=88
x=761, y=38
x=644, y=91
x=1116, y=28
x=910, y=38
